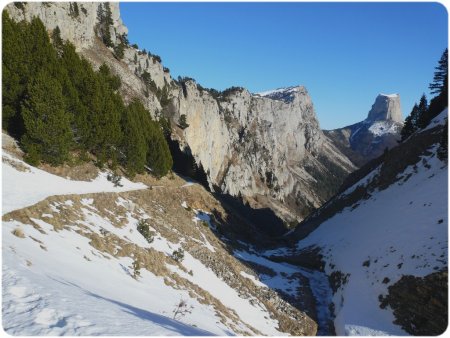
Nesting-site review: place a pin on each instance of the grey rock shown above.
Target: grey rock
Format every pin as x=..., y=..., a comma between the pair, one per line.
x=366, y=140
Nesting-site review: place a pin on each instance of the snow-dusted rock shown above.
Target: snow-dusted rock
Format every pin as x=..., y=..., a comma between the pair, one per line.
x=386, y=108
x=368, y=139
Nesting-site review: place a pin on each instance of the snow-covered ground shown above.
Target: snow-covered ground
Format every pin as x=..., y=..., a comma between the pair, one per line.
x=27, y=187
x=397, y=231
x=56, y=283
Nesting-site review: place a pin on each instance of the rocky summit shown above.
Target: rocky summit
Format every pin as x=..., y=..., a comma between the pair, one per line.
x=368, y=139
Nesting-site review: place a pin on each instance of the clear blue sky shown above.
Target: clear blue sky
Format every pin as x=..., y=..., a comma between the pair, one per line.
x=344, y=53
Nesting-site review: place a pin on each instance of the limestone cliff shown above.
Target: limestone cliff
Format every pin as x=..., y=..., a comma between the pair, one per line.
x=267, y=148
x=368, y=139
x=269, y=151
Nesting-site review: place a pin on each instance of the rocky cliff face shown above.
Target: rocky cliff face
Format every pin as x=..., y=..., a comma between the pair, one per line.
x=269, y=151
x=78, y=28
x=267, y=148
x=368, y=139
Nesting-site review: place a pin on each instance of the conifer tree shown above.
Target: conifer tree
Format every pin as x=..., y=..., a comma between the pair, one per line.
x=422, y=118
x=56, y=38
x=410, y=125
x=135, y=143
x=440, y=79
x=47, y=125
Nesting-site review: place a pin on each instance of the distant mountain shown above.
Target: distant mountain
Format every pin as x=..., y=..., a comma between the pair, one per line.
x=368, y=139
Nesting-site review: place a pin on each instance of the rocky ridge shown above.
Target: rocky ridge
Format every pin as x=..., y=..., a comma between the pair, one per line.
x=366, y=140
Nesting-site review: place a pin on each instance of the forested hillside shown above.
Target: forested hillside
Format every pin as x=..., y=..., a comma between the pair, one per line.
x=62, y=110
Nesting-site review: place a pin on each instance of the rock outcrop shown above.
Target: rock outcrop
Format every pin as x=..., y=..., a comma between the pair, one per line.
x=366, y=140
x=77, y=26
x=266, y=148
x=269, y=151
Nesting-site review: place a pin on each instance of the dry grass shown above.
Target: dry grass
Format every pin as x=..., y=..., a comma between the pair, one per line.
x=173, y=222
x=18, y=233
x=81, y=172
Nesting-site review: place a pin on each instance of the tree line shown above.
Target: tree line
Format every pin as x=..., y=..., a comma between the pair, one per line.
x=422, y=113
x=61, y=109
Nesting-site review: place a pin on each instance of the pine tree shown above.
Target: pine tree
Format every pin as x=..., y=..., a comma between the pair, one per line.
x=440, y=79
x=76, y=12
x=135, y=144
x=158, y=157
x=56, y=38
x=422, y=118
x=410, y=125
x=182, y=122
x=47, y=125
x=119, y=50
x=439, y=86
x=14, y=75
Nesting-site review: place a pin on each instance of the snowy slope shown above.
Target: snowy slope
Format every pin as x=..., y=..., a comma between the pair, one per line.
x=29, y=185
x=68, y=264
x=401, y=230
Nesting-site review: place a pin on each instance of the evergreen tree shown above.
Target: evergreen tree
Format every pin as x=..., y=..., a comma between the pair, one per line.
x=422, y=118
x=56, y=38
x=76, y=12
x=182, y=122
x=410, y=125
x=100, y=13
x=135, y=144
x=47, y=125
x=440, y=79
x=108, y=15
x=119, y=50
x=14, y=75
x=158, y=157
x=439, y=86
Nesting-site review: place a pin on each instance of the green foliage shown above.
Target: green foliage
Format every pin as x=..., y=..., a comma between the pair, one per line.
x=48, y=135
x=440, y=79
x=73, y=10
x=144, y=229
x=422, y=118
x=119, y=50
x=56, y=38
x=145, y=144
x=159, y=158
x=135, y=146
x=20, y=5
x=182, y=122
x=104, y=17
x=410, y=125
x=178, y=255
x=422, y=114
x=54, y=102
